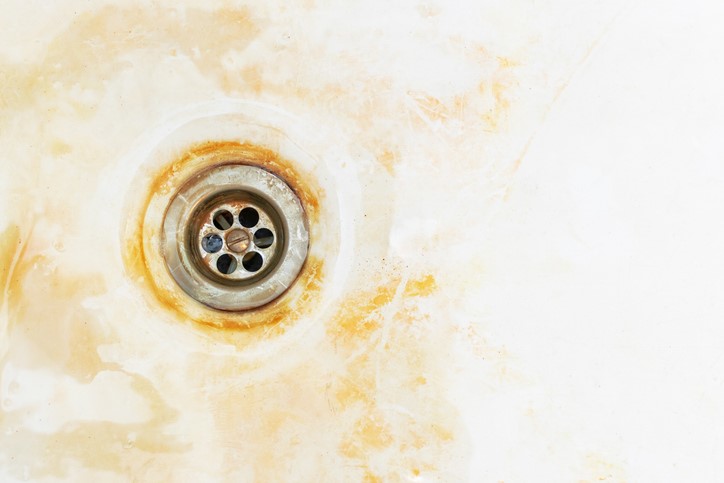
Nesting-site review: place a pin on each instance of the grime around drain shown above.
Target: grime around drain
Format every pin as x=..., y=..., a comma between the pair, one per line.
x=236, y=241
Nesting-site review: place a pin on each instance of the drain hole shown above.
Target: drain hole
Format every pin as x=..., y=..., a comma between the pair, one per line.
x=263, y=238
x=212, y=243
x=223, y=219
x=252, y=261
x=226, y=264
x=248, y=217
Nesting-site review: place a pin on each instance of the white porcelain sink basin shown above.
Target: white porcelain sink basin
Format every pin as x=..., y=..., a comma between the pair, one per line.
x=515, y=261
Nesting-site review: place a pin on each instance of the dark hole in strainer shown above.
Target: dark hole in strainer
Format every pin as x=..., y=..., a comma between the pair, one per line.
x=252, y=261
x=263, y=238
x=248, y=217
x=226, y=264
x=223, y=220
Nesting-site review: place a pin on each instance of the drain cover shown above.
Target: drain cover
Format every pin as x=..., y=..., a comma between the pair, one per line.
x=234, y=237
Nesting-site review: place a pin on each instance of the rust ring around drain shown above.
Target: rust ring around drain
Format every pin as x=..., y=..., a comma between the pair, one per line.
x=238, y=201
x=144, y=255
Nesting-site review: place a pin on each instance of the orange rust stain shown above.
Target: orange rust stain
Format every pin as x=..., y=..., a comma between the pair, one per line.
x=358, y=318
x=354, y=386
x=371, y=432
x=9, y=247
x=222, y=152
x=370, y=477
x=204, y=156
x=273, y=314
x=377, y=431
x=422, y=287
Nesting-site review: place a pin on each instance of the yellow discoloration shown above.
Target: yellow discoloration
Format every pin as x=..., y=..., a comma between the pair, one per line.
x=9, y=248
x=422, y=287
x=101, y=38
x=370, y=433
x=359, y=391
x=388, y=159
x=51, y=328
x=358, y=319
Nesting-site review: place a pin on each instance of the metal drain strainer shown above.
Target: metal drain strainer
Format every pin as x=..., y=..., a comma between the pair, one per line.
x=234, y=237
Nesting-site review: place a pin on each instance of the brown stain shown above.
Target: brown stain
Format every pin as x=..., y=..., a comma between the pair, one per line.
x=279, y=312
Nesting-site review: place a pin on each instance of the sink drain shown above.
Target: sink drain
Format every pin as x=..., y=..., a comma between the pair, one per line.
x=234, y=237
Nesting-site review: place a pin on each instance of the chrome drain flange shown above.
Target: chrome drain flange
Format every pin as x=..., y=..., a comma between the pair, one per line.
x=235, y=237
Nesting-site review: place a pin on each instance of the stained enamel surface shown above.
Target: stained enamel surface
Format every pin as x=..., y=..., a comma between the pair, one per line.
x=517, y=265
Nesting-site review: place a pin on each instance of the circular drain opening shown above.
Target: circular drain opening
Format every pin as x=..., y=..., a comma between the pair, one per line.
x=235, y=237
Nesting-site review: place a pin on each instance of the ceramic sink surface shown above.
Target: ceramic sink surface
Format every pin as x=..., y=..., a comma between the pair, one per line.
x=516, y=263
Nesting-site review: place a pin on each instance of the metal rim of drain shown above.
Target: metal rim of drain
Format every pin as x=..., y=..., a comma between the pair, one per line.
x=234, y=237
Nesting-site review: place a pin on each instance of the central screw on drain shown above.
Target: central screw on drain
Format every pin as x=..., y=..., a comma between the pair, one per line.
x=237, y=241
x=235, y=237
